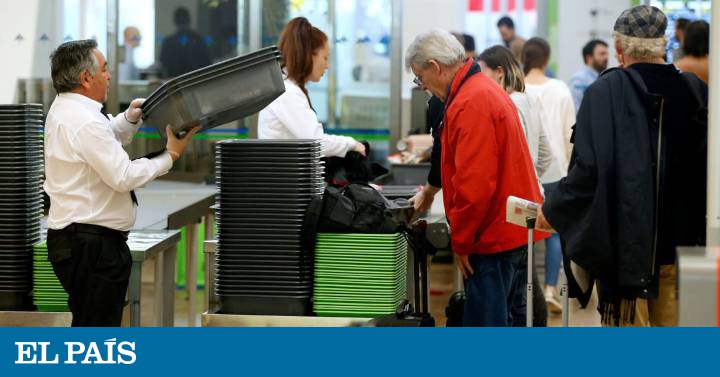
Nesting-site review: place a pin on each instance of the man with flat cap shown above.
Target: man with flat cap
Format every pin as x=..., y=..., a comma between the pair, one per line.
x=636, y=187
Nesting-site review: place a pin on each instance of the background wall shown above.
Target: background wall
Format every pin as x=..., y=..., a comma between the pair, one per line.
x=42, y=29
x=29, y=33
x=579, y=22
x=420, y=16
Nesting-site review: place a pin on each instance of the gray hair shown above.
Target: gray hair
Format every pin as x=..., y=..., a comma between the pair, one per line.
x=641, y=47
x=70, y=60
x=436, y=44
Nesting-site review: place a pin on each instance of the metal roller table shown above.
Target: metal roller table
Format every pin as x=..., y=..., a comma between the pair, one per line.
x=174, y=205
x=144, y=245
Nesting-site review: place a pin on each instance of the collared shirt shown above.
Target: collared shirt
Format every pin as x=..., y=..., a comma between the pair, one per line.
x=579, y=83
x=290, y=117
x=88, y=175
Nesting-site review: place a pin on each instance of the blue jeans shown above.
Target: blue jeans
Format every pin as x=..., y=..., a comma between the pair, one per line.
x=495, y=293
x=553, y=258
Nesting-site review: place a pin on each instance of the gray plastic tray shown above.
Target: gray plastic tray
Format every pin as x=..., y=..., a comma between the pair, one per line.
x=218, y=98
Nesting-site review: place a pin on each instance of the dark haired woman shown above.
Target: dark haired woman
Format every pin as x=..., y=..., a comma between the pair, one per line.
x=305, y=51
x=498, y=63
x=696, y=46
x=558, y=116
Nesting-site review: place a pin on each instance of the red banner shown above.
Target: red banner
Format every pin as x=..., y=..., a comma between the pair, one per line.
x=475, y=5
x=530, y=5
x=495, y=7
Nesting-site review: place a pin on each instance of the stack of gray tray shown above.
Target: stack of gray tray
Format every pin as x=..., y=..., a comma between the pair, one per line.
x=265, y=187
x=21, y=170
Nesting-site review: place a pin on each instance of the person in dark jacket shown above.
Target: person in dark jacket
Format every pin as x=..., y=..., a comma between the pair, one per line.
x=636, y=188
x=185, y=50
x=422, y=201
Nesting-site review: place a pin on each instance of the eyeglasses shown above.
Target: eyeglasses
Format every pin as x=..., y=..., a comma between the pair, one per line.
x=418, y=80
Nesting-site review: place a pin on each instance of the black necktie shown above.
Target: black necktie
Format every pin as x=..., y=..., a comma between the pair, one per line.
x=148, y=156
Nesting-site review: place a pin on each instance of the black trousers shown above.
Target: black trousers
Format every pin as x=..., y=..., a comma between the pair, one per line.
x=93, y=265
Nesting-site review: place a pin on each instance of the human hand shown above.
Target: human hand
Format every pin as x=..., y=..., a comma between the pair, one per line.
x=423, y=200
x=541, y=222
x=175, y=146
x=463, y=264
x=360, y=148
x=134, y=112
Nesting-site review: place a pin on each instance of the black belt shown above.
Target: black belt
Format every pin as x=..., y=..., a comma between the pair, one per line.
x=93, y=229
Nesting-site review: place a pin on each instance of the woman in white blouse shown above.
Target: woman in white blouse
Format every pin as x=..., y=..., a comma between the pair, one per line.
x=557, y=104
x=498, y=63
x=305, y=51
x=559, y=118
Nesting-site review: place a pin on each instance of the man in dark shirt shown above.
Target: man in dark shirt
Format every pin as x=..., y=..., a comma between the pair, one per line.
x=636, y=188
x=185, y=50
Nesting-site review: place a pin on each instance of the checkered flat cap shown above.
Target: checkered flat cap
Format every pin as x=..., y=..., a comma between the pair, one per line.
x=642, y=21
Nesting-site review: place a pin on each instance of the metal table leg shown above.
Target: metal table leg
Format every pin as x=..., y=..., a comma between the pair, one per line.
x=165, y=288
x=134, y=288
x=209, y=222
x=191, y=271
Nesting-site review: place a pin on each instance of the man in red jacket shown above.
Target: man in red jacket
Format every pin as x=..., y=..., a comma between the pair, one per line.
x=485, y=159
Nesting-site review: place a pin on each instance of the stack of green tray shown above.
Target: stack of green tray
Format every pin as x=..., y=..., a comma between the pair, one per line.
x=359, y=275
x=48, y=293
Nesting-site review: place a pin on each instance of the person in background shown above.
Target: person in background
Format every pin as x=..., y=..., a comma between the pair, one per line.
x=637, y=186
x=677, y=51
x=185, y=50
x=498, y=64
x=516, y=48
x=422, y=201
x=89, y=179
x=595, y=57
x=558, y=117
x=506, y=27
x=485, y=159
x=127, y=69
x=468, y=42
x=305, y=50
x=695, y=50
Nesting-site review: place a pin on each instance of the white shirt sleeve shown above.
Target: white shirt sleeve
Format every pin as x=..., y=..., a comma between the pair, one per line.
x=294, y=112
x=124, y=131
x=96, y=144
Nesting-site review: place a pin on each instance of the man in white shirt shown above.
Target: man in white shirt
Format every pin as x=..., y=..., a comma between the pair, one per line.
x=89, y=179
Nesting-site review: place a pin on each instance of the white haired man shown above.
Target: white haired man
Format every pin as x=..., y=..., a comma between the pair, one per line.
x=484, y=160
x=636, y=185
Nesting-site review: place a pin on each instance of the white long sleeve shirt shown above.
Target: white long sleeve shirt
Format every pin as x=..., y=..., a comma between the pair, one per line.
x=291, y=117
x=88, y=175
x=530, y=111
x=559, y=118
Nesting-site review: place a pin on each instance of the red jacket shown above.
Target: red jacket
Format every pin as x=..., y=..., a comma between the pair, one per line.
x=485, y=159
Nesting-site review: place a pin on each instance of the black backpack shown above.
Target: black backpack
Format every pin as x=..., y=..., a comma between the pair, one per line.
x=355, y=208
